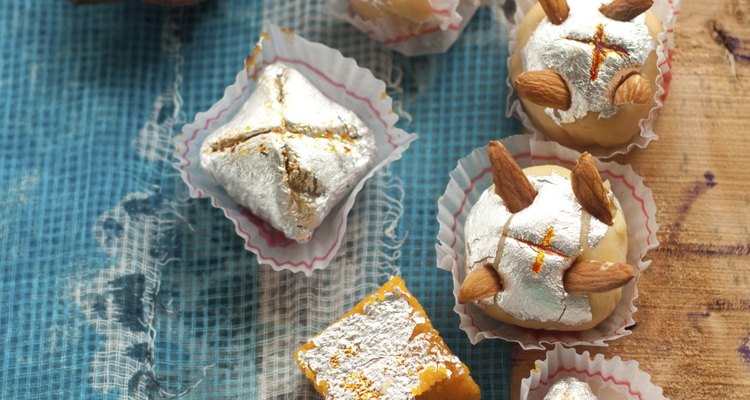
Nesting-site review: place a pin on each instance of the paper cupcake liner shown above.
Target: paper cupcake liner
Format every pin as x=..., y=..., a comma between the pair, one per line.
x=436, y=35
x=337, y=77
x=612, y=379
x=473, y=175
x=666, y=11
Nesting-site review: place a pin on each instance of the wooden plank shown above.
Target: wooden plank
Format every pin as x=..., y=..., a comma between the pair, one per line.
x=693, y=322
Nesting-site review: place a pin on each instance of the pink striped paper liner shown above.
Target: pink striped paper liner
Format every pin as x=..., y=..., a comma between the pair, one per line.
x=611, y=379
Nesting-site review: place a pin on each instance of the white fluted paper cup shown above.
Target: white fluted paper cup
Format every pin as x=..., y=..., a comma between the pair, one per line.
x=611, y=379
x=473, y=176
x=341, y=80
x=666, y=11
x=435, y=35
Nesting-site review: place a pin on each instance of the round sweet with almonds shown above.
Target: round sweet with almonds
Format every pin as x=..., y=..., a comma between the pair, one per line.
x=563, y=281
x=626, y=70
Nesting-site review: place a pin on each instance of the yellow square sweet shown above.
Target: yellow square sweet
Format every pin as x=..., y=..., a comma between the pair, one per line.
x=385, y=348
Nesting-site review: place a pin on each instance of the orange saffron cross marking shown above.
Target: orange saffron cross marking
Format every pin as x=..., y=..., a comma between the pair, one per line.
x=601, y=49
x=539, y=260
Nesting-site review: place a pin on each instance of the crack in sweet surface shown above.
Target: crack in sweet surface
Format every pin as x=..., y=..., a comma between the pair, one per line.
x=301, y=180
x=545, y=246
x=231, y=143
x=601, y=48
x=279, y=82
x=342, y=134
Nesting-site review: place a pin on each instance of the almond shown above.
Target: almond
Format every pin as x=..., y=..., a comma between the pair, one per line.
x=556, y=10
x=590, y=191
x=634, y=89
x=479, y=284
x=545, y=88
x=625, y=10
x=511, y=184
x=596, y=276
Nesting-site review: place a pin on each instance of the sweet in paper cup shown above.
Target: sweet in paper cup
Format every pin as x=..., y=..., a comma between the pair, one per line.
x=435, y=35
x=612, y=379
x=666, y=11
x=473, y=175
x=341, y=80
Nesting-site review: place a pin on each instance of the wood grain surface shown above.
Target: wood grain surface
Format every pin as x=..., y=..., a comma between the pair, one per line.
x=693, y=324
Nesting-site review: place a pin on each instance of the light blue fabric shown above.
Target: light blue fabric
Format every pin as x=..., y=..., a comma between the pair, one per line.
x=92, y=213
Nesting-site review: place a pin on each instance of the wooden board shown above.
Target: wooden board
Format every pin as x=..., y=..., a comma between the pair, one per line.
x=693, y=324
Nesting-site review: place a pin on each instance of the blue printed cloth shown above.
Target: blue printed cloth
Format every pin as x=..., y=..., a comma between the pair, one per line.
x=113, y=283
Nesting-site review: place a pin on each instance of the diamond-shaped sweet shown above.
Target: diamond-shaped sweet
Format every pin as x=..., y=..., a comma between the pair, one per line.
x=290, y=154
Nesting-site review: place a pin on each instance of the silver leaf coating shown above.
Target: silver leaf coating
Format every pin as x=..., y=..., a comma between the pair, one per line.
x=290, y=154
x=570, y=389
x=568, y=50
x=532, y=248
x=375, y=354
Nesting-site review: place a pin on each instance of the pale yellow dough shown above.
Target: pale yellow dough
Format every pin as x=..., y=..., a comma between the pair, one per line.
x=590, y=130
x=410, y=15
x=413, y=10
x=613, y=248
